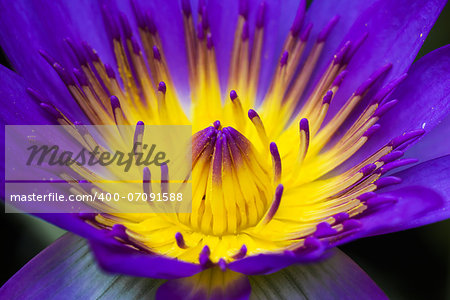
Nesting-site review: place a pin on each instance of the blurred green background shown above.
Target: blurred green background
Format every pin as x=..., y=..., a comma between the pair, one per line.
x=413, y=264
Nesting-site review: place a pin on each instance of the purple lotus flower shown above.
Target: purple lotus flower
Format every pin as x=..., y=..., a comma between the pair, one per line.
x=301, y=120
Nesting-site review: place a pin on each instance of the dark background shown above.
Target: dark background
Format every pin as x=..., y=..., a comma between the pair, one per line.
x=413, y=264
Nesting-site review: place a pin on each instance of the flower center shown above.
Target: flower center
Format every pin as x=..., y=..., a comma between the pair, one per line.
x=232, y=183
x=239, y=174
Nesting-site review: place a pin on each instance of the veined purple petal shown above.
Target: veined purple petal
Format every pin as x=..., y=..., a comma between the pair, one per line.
x=116, y=257
x=67, y=270
x=336, y=277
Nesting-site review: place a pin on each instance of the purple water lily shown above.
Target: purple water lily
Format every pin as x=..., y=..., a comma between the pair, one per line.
x=300, y=118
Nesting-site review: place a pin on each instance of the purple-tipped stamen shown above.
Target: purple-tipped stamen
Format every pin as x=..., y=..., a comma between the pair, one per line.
x=406, y=137
x=164, y=178
x=51, y=110
x=299, y=18
x=233, y=95
x=384, y=108
x=125, y=25
x=340, y=217
x=150, y=24
x=186, y=7
x=275, y=203
x=304, y=36
x=327, y=29
x=351, y=224
x=380, y=200
x=180, y=240
x=374, y=128
x=162, y=87
x=396, y=164
x=391, y=156
x=204, y=255
x=366, y=196
x=146, y=181
x=338, y=80
x=209, y=41
x=284, y=58
x=339, y=56
x=243, y=8
x=200, y=31
x=276, y=161
x=63, y=74
x=355, y=46
x=156, y=54
x=324, y=229
x=81, y=77
x=304, y=126
x=367, y=169
x=385, y=181
x=110, y=71
x=242, y=252
x=222, y=265
x=372, y=79
x=115, y=103
x=260, y=15
x=385, y=91
x=327, y=98
x=138, y=135
x=245, y=31
x=252, y=114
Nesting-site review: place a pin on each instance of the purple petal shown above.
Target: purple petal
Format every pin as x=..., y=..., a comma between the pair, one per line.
x=116, y=257
x=413, y=203
x=396, y=30
x=423, y=98
x=67, y=270
x=18, y=106
x=269, y=263
x=29, y=26
x=337, y=277
x=423, y=102
x=432, y=177
x=423, y=197
x=431, y=145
